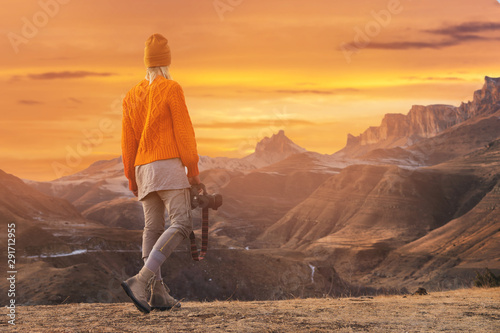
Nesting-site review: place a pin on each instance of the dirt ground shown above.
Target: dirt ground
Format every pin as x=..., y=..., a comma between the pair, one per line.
x=465, y=310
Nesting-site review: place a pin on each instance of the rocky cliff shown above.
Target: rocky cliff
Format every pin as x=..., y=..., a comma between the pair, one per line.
x=485, y=101
x=398, y=130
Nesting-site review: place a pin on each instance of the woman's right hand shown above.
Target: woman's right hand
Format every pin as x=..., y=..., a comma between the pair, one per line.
x=194, y=180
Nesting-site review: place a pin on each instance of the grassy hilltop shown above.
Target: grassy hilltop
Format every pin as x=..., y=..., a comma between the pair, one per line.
x=464, y=310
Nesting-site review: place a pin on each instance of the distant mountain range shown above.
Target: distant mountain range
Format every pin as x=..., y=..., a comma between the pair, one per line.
x=101, y=192
x=413, y=202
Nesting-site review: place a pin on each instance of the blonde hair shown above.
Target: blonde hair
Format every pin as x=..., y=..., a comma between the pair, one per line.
x=153, y=72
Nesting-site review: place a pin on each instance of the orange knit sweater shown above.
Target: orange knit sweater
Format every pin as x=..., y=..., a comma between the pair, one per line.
x=156, y=126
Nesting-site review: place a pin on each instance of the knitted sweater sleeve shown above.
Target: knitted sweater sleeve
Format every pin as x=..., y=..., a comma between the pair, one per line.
x=183, y=130
x=129, y=147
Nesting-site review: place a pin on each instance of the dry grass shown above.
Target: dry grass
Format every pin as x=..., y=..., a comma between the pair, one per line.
x=466, y=310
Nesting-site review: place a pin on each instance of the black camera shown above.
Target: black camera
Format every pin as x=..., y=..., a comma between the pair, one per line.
x=204, y=200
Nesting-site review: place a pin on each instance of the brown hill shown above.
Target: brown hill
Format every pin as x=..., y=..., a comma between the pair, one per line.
x=361, y=214
x=34, y=213
x=120, y=212
x=100, y=193
x=20, y=201
x=466, y=243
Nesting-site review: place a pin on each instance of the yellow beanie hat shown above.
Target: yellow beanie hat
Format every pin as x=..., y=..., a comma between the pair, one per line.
x=157, y=51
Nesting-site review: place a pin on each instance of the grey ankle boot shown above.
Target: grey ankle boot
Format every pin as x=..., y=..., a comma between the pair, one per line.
x=136, y=288
x=160, y=297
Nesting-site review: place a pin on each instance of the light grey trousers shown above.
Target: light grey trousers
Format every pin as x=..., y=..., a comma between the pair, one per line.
x=155, y=239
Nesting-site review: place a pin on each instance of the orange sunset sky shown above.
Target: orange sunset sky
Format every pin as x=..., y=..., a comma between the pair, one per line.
x=248, y=69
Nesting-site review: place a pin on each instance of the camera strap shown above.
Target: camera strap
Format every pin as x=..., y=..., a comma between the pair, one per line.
x=198, y=256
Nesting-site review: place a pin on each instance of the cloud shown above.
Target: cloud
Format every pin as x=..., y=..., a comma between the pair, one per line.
x=29, y=102
x=75, y=100
x=255, y=124
x=63, y=75
x=454, y=35
x=452, y=41
x=412, y=45
x=466, y=28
